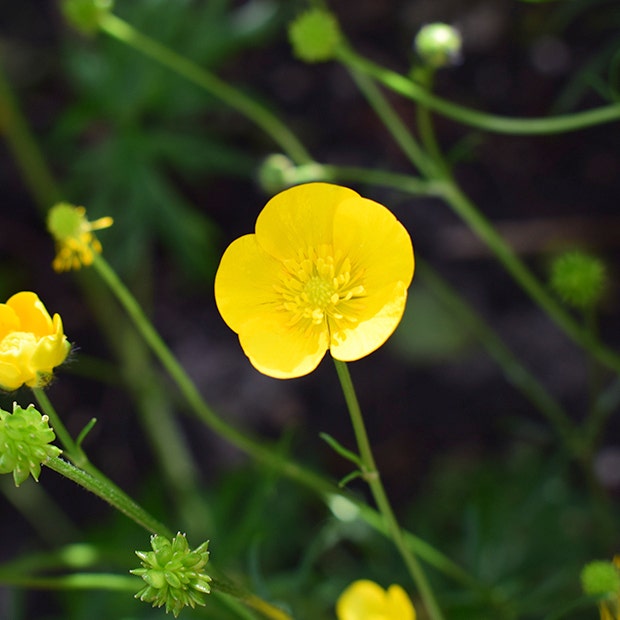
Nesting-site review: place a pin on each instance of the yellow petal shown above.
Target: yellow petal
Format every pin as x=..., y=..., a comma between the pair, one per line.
x=375, y=241
x=9, y=321
x=282, y=352
x=299, y=218
x=362, y=600
x=32, y=313
x=377, y=321
x=244, y=282
x=366, y=600
x=400, y=605
x=10, y=376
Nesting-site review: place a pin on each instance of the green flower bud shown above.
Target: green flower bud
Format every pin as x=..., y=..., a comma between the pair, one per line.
x=438, y=45
x=578, y=279
x=276, y=173
x=315, y=35
x=173, y=574
x=25, y=436
x=600, y=578
x=84, y=15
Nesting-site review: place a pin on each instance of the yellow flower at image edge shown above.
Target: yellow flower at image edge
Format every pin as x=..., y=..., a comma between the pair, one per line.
x=325, y=270
x=32, y=343
x=366, y=600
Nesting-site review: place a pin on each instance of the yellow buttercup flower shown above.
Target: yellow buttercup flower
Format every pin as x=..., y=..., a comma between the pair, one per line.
x=366, y=600
x=32, y=343
x=325, y=270
x=75, y=242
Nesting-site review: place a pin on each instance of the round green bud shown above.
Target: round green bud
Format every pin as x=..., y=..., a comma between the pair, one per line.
x=600, y=578
x=438, y=45
x=276, y=173
x=25, y=436
x=314, y=36
x=84, y=15
x=578, y=278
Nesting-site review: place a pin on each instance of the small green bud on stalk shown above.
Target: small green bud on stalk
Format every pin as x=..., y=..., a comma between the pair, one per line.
x=25, y=437
x=315, y=36
x=579, y=279
x=173, y=574
x=438, y=45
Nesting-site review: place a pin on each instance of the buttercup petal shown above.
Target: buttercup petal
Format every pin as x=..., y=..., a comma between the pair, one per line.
x=400, y=604
x=366, y=600
x=244, y=283
x=384, y=310
x=362, y=600
x=9, y=321
x=374, y=240
x=10, y=376
x=300, y=217
x=32, y=313
x=280, y=351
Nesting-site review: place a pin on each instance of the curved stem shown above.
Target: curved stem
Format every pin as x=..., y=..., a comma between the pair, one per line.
x=110, y=493
x=268, y=122
x=372, y=477
x=474, y=118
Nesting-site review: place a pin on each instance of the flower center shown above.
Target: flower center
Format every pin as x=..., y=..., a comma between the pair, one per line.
x=16, y=343
x=319, y=287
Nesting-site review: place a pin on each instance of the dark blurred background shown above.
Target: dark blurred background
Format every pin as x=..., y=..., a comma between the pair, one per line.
x=459, y=447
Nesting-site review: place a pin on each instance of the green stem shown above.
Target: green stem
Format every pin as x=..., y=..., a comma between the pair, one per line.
x=268, y=122
x=75, y=581
x=110, y=493
x=515, y=372
x=370, y=176
x=70, y=448
x=372, y=477
x=263, y=453
x=524, y=277
x=250, y=600
x=474, y=118
x=400, y=132
x=24, y=148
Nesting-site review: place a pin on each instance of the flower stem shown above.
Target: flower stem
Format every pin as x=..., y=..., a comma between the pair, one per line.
x=267, y=121
x=109, y=492
x=25, y=151
x=474, y=118
x=372, y=477
x=70, y=448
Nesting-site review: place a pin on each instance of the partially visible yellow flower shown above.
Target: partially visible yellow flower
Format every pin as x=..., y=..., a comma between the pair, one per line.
x=325, y=270
x=75, y=241
x=610, y=608
x=366, y=600
x=32, y=343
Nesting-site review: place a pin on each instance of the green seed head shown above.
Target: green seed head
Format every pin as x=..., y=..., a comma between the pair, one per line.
x=25, y=438
x=315, y=35
x=578, y=279
x=600, y=578
x=173, y=574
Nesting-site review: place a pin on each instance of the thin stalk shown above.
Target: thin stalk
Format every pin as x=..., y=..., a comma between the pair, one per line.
x=75, y=581
x=368, y=176
x=474, y=118
x=372, y=477
x=70, y=448
x=236, y=99
x=24, y=149
x=263, y=453
x=110, y=493
x=524, y=277
x=400, y=132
